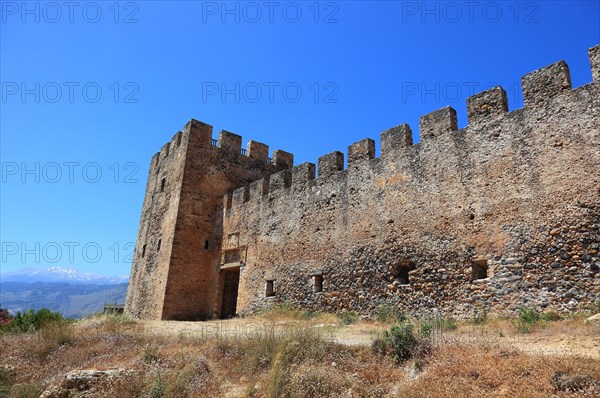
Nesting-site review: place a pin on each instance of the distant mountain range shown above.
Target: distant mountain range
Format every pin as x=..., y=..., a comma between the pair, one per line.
x=71, y=292
x=59, y=274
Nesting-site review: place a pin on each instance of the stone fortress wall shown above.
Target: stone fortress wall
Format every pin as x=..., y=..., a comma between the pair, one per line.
x=500, y=214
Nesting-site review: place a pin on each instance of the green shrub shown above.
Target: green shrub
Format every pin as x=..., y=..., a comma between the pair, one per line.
x=528, y=319
x=348, y=317
x=402, y=341
x=449, y=323
x=426, y=328
x=389, y=314
x=31, y=321
x=158, y=389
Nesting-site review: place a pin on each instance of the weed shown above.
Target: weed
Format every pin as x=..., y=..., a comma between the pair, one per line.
x=449, y=323
x=311, y=314
x=158, y=389
x=480, y=318
x=379, y=346
x=426, y=329
x=551, y=316
x=594, y=308
x=348, y=317
x=528, y=319
x=309, y=381
x=150, y=353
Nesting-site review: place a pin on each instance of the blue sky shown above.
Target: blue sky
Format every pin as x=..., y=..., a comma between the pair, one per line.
x=91, y=90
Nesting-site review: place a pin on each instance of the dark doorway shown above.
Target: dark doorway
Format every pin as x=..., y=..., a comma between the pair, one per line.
x=230, y=293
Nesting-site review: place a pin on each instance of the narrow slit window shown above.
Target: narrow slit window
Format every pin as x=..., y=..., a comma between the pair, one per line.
x=270, y=288
x=162, y=184
x=317, y=283
x=206, y=244
x=143, y=251
x=479, y=269
x=158, y=245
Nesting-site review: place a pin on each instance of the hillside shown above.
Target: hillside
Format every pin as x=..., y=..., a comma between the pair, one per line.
x=71, y=300
x=290, y=354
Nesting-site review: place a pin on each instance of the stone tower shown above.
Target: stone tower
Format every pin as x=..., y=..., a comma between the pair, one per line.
x=175, y=272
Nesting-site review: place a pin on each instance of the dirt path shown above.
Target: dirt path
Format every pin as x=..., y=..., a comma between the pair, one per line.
x=563, y=338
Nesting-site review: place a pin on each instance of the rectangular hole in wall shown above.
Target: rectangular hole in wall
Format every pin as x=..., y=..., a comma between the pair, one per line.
x=402, y=271
x=479, y=269
x=317, y=283
x=270, y=288
x=206, y=244
x=162, y=184
x=143, y=251
x=158, y=245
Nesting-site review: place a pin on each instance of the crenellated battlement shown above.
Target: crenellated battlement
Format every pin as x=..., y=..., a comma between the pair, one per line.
x=540, y=88
x=227, y=143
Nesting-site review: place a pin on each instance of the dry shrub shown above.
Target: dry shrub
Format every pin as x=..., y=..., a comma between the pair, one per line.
x=151, y=352
x=309, y=381
x=485, y=371
x=295, y=347
x=187, y=374
x=26, y=390
x=51, y=336
x=130, y=386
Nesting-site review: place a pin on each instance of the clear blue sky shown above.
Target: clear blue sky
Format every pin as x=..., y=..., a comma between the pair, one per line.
x=94, y=87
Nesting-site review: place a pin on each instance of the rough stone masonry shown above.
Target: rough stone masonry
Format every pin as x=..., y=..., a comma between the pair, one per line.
x=501, y=214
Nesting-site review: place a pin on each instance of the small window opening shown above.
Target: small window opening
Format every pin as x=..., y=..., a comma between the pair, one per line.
x=206, y=244
x=143, y=251
x=162, y=184
x=270, y=289
x=317, y=283
x=479, y=269
x=158, y=245
x=402, y=271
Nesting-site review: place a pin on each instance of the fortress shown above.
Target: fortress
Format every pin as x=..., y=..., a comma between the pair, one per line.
x=500, y=214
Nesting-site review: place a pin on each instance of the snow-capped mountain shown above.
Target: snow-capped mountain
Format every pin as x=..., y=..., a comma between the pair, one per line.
x=60, y=274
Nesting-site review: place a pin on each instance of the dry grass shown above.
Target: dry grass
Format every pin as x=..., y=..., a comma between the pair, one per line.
x=296, y=361
x=483, y=371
